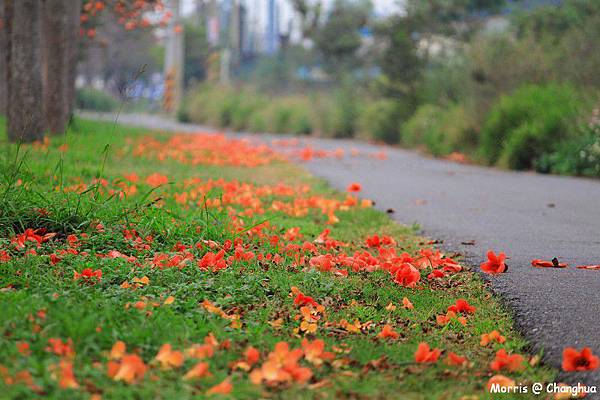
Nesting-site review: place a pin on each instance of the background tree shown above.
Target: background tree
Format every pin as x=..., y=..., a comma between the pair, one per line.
x=339, y=38
x=3, y=54
x=72, y=47
x=310, y=16
x=25, y=115
x=40, y=70
x=195, y=52
x=55, y=60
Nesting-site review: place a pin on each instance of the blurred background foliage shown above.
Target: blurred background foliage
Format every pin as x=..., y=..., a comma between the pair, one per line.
x=513, y=84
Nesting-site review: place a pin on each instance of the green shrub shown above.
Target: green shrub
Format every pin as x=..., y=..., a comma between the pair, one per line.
x=420, y=125
x=527, y=124
x=257, y=122
x=346, y=113
x=379, y=120
x=578, y=156
x=247, y=105
x=96, y=100
x=282, y=118
x=302, y=124
x=441, y=130
x=206, y=103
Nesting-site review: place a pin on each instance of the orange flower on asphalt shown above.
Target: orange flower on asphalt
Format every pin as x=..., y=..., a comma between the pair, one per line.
x=224, y=387
x=425, y=354
x=388, y=332
x=592, y=267
x=462, y=307
x=63, y=373
x=454, y=359
x=199, y=370
x=508, y=362
x=406, y=303
x=493, y=336
x=548, y=264
x=167, y=358
x=314, y=352
x=574, y=360
x=130, y=369
x=500, y=381
x=495, y=263
x=354, y=187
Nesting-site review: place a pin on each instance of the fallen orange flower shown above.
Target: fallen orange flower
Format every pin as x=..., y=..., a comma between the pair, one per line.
x=354, y=187
x=118, y=350
x=88, y=275
x=60, y=348
x=157, y=179
x=130, y=369
x=388, y=332
x=425, y=354
x=315, y=353
x=252, y=355
x=594, y=267
x=351, y=327
x=407, y=304
x=224, y=387
x=462, y=306
x=574, y=360
x=407, y=276
x=23, y=348
x=63, y=373
x=168, y=358
x=493, y=336
x=200, y=351
x=454, y=359
x=199, y=370
x=548, y=264
x=450, y=315
x=281, y=366
x=500, y=381
x=495, y=263
x=504, y=361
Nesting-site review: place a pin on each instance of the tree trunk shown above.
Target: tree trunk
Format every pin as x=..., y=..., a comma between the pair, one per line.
x=3, y=54
x=54, y=63
x=25, y=115
x=74, y=13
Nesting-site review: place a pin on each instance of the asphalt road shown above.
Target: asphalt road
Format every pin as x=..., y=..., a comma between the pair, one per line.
x=526, y=215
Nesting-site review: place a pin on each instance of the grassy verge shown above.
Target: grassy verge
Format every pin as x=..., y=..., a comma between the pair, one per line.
x=211, y=246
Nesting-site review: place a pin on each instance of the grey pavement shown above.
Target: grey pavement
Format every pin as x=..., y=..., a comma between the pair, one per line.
x=525, y=215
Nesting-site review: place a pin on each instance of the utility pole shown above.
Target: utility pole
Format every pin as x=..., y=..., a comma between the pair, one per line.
x=173, y=69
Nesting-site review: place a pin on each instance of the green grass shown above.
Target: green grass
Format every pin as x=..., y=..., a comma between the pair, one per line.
x=32, y=195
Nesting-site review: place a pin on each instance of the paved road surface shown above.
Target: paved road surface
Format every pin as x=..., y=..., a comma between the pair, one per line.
x=523, y=214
